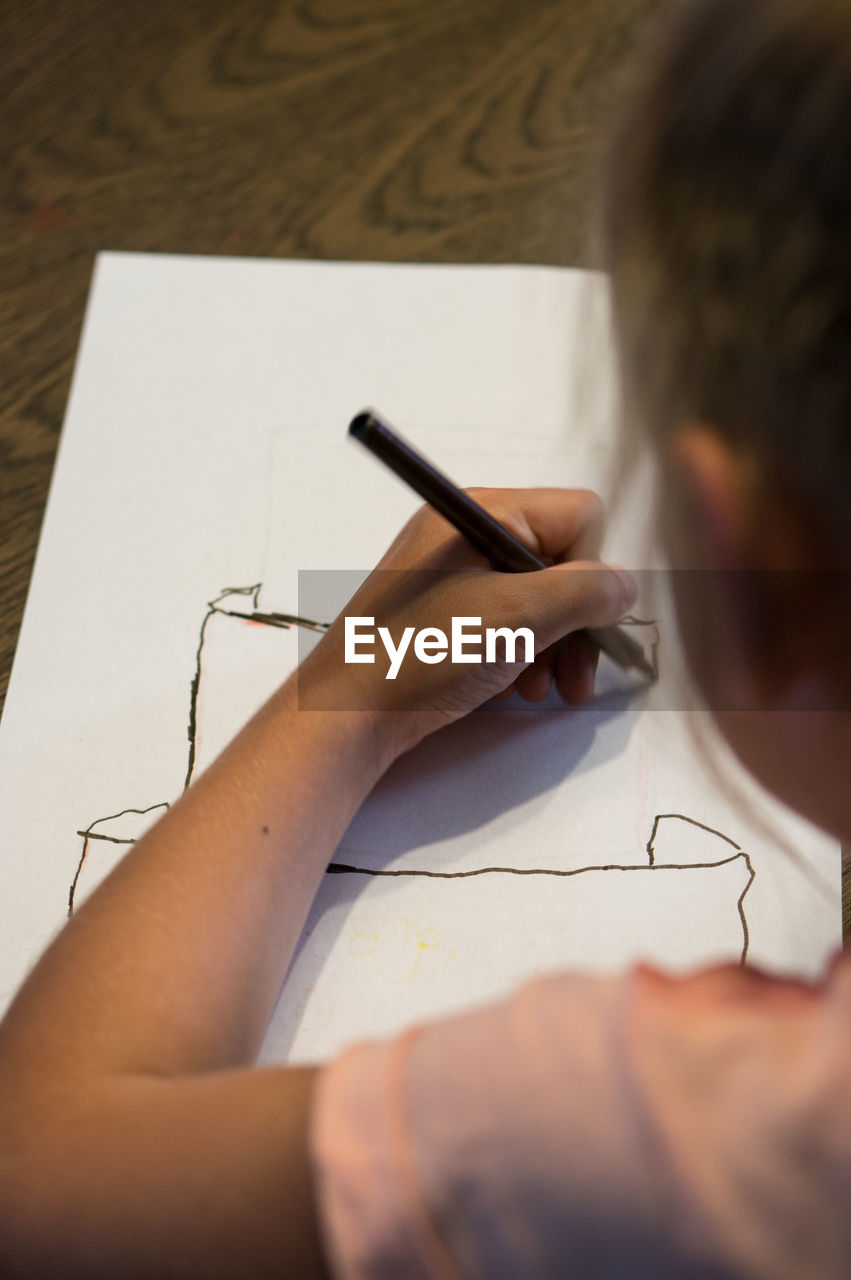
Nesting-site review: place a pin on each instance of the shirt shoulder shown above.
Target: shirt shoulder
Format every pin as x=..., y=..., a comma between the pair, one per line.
x=597, y=1126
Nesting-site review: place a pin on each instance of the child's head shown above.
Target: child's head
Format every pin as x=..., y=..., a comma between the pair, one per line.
x=727, y=226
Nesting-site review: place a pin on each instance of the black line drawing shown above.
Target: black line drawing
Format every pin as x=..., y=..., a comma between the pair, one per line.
x=740, y=853
x=652, y=865
x=94, y=831
x=249, y=613
x=121, y=830
x=652, y=654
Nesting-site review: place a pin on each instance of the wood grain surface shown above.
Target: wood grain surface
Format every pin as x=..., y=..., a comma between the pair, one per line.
x=447, y=131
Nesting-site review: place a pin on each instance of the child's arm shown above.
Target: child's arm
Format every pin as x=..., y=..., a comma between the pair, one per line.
x=133, y=1139
x=118, y=1143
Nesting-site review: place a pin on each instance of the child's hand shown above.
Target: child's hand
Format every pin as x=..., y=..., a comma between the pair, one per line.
x=430, y=574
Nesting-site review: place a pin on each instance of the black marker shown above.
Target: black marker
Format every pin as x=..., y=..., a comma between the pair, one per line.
x=487, y=535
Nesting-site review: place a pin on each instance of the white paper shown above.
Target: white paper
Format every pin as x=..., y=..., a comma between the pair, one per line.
x=204, y=450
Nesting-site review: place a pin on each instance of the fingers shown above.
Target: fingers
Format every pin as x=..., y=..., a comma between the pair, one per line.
x=555, y=524
x=576, y=667
x=570, y=661
x=570, y=664
x=564, y=598
x=575, y=592
x=535, y=682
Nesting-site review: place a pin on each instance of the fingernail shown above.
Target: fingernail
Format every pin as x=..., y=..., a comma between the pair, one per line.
x=630, y=585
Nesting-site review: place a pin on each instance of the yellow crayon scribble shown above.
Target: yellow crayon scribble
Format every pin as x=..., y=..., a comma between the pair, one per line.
x=398, y=949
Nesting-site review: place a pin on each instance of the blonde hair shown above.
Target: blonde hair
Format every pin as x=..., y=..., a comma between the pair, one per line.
x=724, y=219
x=725, y=216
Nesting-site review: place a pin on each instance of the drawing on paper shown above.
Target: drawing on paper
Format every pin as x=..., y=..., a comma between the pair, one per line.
x=243, y=653
x=398, y=948
x=112, y=836
x=676, y=843
x=241, y=604
x=215, y=714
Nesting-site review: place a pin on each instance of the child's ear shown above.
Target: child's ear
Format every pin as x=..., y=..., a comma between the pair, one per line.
x=706, y=525
x=756, y=618
x=741, y=618
x=738, y=515
x=715, y=495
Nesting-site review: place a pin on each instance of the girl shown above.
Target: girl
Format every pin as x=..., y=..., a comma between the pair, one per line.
x=640, y=1126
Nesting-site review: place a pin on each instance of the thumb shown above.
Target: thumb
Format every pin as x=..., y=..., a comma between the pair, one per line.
x=568, y=597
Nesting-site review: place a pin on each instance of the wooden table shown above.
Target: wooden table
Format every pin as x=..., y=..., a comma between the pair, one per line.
x=447, y=131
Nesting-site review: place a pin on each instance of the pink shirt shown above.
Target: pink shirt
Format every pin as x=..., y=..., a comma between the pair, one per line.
x=643, y=1126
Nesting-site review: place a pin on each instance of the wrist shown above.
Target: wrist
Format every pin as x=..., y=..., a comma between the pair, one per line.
x=359, y=744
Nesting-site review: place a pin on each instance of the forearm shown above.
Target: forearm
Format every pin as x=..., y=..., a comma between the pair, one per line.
x=126, y=1141
x=174, y=964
